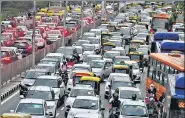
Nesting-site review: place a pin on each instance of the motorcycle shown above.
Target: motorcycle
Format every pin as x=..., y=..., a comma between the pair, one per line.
x=64, y=77
x=114, y=113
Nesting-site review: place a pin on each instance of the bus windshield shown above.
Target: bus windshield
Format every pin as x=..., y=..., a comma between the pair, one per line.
x=159, y=23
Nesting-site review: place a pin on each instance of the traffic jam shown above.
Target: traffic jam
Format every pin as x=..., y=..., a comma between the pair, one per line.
x=125, y=60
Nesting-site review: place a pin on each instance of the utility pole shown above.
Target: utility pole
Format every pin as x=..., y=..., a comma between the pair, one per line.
x=64, y=18
x=81, y=31
x=33, y=35
x=94, y=25
x=0, y=63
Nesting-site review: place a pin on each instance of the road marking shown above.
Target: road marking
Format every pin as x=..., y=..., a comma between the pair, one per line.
x=7, y=99
x=62, y=108
x=57, y=114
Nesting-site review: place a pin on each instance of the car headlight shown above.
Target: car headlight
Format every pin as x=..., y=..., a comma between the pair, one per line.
x=50, y=107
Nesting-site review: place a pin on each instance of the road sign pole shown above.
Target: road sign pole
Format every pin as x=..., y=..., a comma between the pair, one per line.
x=81, y=31
x=64, y=18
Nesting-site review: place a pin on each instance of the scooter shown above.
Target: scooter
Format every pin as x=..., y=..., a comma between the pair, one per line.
x=114, y=113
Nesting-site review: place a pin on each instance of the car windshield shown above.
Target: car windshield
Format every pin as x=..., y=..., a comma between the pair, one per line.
x=79, y=50
x=85, y=104
x=81, y=68
x=94, y=40
x=30, y=108
x=48, y=61
x=118, y=60
x=65, y=51
x=81, y=92
x=117, y=43
x=159, y=23
x=134, y=110
x=127, y=94
x=51, y=69
x=89, y=59
x=4, y=54
x=135, y=57
x=80, y=43
x=45, y=95
x=32, y=75
x=88, y=47
x=142, y=35
x=144, y=51
x=111, y=55
x=46, y=82
x=125, y=31
x=120, y=71
x=117, y=84
x=97, y=64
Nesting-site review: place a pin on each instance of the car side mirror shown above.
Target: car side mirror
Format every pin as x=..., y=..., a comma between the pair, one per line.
x=69, y=89
x=11, y=111
x=102, y=109
x=22, y=96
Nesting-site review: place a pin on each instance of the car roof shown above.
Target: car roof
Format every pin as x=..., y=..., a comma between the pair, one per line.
x=99, y=60
x=87, y=115
x=54, y=54
x=134, y=102
x=50, y=59
x=126, y=79
x=81, y=65
x=93, y=55
x=41, y=64
x=129, y=88
x=48, y=77
x=40, y=88
x=87, y=97
x=119, y=74
x=125, y=57
x=82, y=86
x=32, y=100
x=112, y=52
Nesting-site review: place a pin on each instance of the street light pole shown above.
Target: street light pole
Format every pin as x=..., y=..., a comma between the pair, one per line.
x=94, y=25
x=81, y=31
x=64, y=18
x=33, y=35
x=0, y=64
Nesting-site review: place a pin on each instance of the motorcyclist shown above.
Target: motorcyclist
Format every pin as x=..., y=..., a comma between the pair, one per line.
x=63, y=68
x=115, y=103
x=152, y=106
x=152, y=90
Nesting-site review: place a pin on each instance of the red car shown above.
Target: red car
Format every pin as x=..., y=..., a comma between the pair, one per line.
x=66, y=32
x=8, y=56
x=8, y=39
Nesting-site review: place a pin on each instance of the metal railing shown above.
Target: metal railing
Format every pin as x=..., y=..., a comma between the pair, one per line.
x=13, y=69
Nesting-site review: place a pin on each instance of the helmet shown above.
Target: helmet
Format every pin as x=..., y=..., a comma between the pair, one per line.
x=115, y=96
x=152, y=85
x=64, y=62
x=134, y=96
x=151, y=99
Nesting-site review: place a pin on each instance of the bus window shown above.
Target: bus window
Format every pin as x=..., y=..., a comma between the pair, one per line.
x=150, y=72
x=154, y=63
x=164, y=79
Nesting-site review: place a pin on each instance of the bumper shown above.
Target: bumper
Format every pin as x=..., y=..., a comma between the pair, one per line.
x=53, y=112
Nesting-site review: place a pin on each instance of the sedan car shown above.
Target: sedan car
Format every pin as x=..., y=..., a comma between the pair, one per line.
x=88, y=48
x=35, y=107
x=81, y=42
x=46, y=93
x=78, y=90
x=102, y=68
x=56, y=83
x=136, y=109
x=141, y=36
x=86, y=104
x=90, y=57
x=118, y=59
x=52, y=67
x=111, y=54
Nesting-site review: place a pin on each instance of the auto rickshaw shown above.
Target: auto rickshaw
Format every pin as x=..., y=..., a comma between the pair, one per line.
x=15, y=115
x=138, y=57
x=121, y=69
x=44, y=10
x=136, y=43
x=112, y=28
x=93, y=81
x=105, y=37
x=108, y=46
x=78, y=75
x=50, y=12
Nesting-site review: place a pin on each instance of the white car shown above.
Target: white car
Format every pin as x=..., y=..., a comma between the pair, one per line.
x=125, y=93
x=111, y=54
x=90, y=57
x=121, y=50
x=110, y=78
x=95, y=41
x=56, y=55
x=88, y=115
x=102, y=68
x=88, y=48
x=139, y=109
x=86, y=104
x=78, y=90
x=35, y=107
x=141, y=36
x=46, y=93
x=136, y=71
x=57, y=85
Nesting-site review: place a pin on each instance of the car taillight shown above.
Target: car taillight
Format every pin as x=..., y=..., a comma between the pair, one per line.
x=6, y=58
x=29, y=48
x=42, y=40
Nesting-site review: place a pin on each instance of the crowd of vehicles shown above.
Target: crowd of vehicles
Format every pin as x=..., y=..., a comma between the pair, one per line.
x=119, y=52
